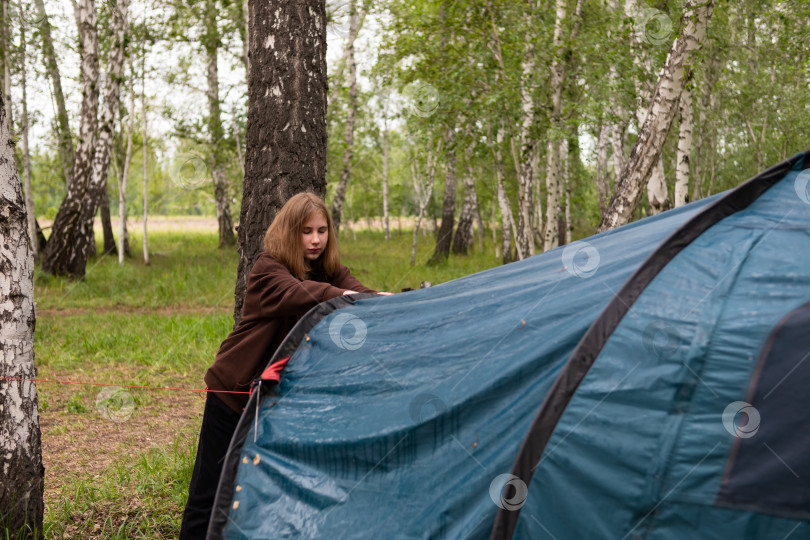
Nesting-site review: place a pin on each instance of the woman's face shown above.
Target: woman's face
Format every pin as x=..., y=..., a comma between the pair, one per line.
x=314, y=236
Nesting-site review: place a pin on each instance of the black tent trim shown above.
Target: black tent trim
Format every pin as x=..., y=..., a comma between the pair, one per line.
x=222, y=502
x=591, y=344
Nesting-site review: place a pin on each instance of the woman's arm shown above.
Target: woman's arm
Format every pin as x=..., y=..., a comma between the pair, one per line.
x=345, y=280
x=277, y=293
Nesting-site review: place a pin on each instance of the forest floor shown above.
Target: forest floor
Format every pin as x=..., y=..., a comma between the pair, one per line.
x=118, y=459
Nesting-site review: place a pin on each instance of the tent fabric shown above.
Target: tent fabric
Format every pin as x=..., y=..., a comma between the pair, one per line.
x=644, y=429
x=721, y=216
x=401, y=417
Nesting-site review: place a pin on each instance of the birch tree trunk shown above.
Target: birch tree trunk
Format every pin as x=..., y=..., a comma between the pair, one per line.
x=97, y=188
x=525, y=179
x=286, y=130
x=61, y=256
x=653, y=134
x=123, y=234
x=424, y=193
x=463, y=239
x=602, y=176
x=5, y=59
x=348, y=136
x=26, y=154
x=507, y=220
x=66, y=152
x=21, y=470
x=617, y=130
x=211, y=42
x=705, y=139
x=145, y=161
x=684, y=148
x=567, y=148
x=445, y=235
x=106, y=221
x=617, y=141
x=386, y=167
x=657, y=192
x=246, y=37
x=551, y=237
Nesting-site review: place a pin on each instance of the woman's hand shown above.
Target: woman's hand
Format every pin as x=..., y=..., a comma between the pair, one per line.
x=386, y=293
x=349, y=291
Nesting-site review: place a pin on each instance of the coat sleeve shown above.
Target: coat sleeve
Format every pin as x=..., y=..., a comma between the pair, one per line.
x=345, y=280
x=279, y=294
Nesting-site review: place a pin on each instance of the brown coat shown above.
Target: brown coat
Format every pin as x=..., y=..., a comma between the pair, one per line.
x=274, y=301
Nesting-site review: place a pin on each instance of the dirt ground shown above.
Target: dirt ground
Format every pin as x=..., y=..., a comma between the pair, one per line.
x=84, y=445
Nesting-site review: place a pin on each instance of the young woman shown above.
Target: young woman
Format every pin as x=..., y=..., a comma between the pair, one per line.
x=299, y=268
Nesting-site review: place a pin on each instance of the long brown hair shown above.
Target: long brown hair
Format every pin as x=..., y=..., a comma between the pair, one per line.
x=283, y=238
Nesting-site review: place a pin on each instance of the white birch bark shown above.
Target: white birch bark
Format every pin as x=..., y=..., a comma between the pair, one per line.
x=507, y=219
x=423, y=193
x=123, y=234
x=617, y=130
x=551, y=236
x=684, y=148
x=504, y=201
x=566, y=156
x=26, y=154
x=246, y=42
x=21, y=470
x=386, y=168
x=65, y=252
x=463, y=239
x=657, y=193
x=653, y=134
x=525, y=179
x=538, y=210
x=617, y=142
x=145, y=163
x=5, y=43
x=348, y=136
x=211, y=44
x=495, y=229
x=602, y=180
x=66, y=151
x=106, y=127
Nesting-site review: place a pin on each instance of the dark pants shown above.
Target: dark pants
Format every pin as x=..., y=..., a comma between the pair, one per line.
x=219, y=423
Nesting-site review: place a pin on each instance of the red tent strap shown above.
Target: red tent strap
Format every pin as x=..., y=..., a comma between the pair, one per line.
x=273, y=371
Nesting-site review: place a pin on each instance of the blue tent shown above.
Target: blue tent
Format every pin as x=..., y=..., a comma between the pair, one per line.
x=649, y=382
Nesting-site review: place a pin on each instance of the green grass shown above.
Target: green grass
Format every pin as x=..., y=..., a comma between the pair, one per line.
x=386, y=264
x=185, y=269
x=159, y=325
